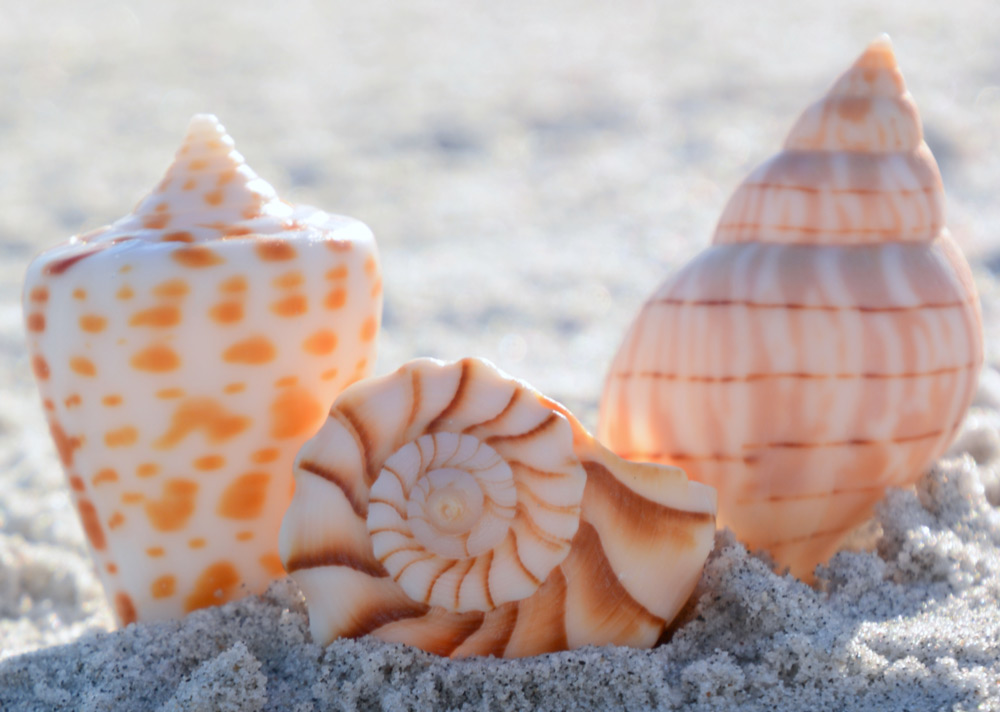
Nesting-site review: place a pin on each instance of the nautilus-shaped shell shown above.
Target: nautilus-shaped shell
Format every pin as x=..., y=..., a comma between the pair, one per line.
x=826, y=346
x=184, y=354
x=453, y=508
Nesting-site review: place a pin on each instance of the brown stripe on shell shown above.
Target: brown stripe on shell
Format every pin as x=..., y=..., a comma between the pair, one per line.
x=541, y=622
x=438, y=631
x=539, y=429
x=503, y=620
x=523, y=488
x=829, y=190
x=438, y=575
x=650, y=521
x=342, y=482
x=544, y=538
x=517, y=557
x=499, y=416
x=811, y=495
x=377, y=615
x=461, y=580
x=534, y=471
x=335, y=557
x=750, y=377
x=486, y=578
x=364, y=441
x=456, y=399
x=415, y=400
x=601, y=588
x=856, y=442
x=749, y=304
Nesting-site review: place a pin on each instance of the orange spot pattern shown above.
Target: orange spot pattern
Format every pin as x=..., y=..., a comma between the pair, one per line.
x=197, y=543
x=112, y=400
x=116, y=520
x=269, y=454
x=272, y=564
x=91, y=524
x=93, y=323
x=73, y=401
x=157, y=317
x=83, y=366
x=289, y=280
x=36, y=322
x=234, y=285
x=275, y=251
x=163, y=587
x=122, y=437
x=209, y=462
x=295, y=412
x=105, y=475
x=171, y=288
x=231, y=388
x=320, y=343
x=175, y=506
x=255, y=350
x=40, y=367
x=147, y=469
x=158, y=358
x=244, y=497
x=197, y=257
x=155, y=552
x=368, y=329
x=226, y=312
x=336, y=298
x=217, y=584
x=124, y=608
x=65, y=445
x=206, y=415
x=293, y=305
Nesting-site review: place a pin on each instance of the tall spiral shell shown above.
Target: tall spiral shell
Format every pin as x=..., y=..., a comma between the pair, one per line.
x=456, y=509
x=826, y=346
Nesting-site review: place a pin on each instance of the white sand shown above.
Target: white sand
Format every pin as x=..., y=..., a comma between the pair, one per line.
x=532, y=171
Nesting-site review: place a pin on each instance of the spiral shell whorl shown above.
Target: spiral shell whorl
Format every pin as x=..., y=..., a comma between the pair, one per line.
x=855, y=169
x=451, y=507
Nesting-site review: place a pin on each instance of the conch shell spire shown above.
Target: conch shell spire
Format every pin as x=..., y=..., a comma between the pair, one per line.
x=855, y=169
x=208, y=186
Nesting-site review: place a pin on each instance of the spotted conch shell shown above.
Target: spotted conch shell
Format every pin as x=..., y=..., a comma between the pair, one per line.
x=453, y=508
x=826, y=346
x=184, y=354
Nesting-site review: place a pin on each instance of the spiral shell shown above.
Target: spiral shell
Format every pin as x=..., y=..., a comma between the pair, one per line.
x=826, y=346
x=451, y=507
x=183, y=355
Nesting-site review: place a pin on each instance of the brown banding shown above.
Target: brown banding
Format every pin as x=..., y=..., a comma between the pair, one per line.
x=341, y=482
x=91, y=524
x=671, y=301
x=751, y=377
x=812, y=495
x=649, y=520
x=539, y=429
x=857, y=442
x=455, y=401
x=517, y=557
x=545, y=538
x=499, y=416
x=485, y=568
x=377, y=615
x=434, y=580
x=355, y=427
x=335, y=557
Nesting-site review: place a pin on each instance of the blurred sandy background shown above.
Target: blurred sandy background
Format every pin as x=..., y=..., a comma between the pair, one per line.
x=531, y=169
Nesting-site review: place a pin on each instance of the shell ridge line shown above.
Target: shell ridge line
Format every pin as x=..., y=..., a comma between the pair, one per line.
x=335, y=557
x=499, y=416
x=336, y=479
x=461, y=581
x=462, y=635
x=437, y=576
x=376, y=618
x=523, y=488
x=447, y=461
x=811, y=495
x=463, y=380
x=416, y=391
x=517, y=557
x=512, y=611
x=527, y=434
x=660, y=375
x=668, y=301
x=354, y=427
x=387, y=503
x=590, y=540
x=546, y=474
x=411, y=562
x=600, y=477
x=847, y=443
x=487, y=569
x=402, y=485
x=547, y=539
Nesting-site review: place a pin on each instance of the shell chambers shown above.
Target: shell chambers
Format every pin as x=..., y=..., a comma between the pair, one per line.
x=826, y=346
x=455, y=509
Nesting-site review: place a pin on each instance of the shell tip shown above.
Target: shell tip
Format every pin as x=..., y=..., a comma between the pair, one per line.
x=878, y=55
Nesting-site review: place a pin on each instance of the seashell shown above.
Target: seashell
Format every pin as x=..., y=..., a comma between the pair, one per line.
x=826, y=345
x=453, y=508
x=184, y=354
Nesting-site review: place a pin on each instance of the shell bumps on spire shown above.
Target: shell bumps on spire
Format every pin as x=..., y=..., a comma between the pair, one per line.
x=453, y=508
x=826, y=346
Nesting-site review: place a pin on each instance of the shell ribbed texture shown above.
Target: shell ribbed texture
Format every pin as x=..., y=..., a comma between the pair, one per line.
x=826, y=346
x=453, y=508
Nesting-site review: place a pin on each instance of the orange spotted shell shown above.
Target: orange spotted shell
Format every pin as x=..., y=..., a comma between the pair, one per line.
x=183, y=355
x=826, y=346
x=453, y=508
